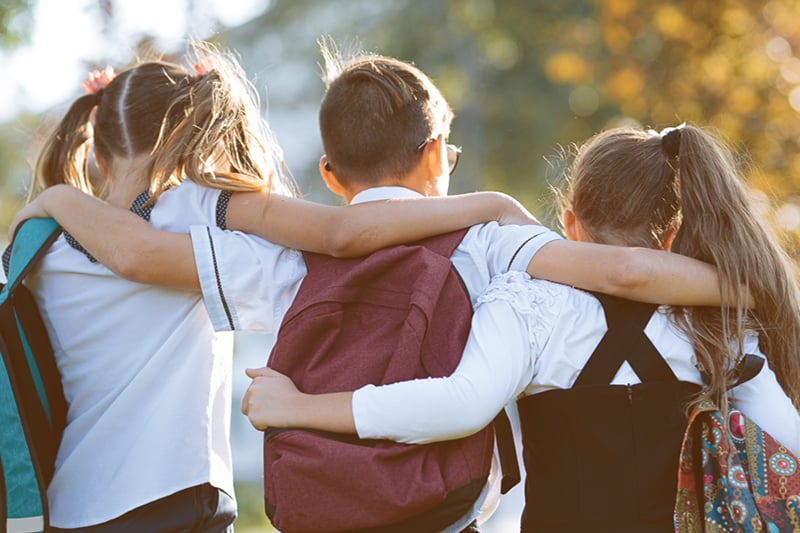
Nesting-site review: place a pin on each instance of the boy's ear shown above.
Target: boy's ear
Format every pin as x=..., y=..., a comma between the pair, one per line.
x=432, y=157
x=329, y=177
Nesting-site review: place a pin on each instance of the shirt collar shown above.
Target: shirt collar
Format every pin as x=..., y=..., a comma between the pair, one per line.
x=384, y=193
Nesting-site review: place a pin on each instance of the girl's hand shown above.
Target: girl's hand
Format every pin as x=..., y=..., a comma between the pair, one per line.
x=35, y=209
x=514, y=213
x=270, y=400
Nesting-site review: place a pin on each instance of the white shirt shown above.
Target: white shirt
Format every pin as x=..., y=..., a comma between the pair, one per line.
x=529, y=336
x=146, y=379
x=240, y=275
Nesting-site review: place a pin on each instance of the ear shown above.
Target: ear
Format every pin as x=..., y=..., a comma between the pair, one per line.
x=669, y=235
x=102, y=165
x=570, y=224
x=329, y=177
x=432, y=158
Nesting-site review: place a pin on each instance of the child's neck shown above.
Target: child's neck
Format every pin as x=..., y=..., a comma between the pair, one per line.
x=127, y=178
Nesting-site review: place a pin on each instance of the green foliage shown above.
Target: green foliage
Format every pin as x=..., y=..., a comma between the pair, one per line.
x=15, y=22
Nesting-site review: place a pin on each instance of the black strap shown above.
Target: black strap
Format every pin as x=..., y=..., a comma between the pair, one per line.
x=746, y=369
x=624, y=341
x=506, y=449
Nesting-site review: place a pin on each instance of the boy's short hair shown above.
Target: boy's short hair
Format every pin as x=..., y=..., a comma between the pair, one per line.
x=376, y=113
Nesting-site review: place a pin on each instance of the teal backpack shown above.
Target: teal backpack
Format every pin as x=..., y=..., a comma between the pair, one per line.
x=32, y=406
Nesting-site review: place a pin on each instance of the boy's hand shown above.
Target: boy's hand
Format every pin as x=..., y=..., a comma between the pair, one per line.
x=270, y=399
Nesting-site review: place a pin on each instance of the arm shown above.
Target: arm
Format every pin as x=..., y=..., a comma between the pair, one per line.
x=635, y=273
x=125, y=243
x=363, y=228
x=496, y=367
x=133, y=249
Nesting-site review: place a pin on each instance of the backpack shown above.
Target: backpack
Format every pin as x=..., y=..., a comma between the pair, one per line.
x=401, y=313
x=32, y=405
x=735, y=477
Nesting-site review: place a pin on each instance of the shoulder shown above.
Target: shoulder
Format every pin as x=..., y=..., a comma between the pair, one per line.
x=185, y=205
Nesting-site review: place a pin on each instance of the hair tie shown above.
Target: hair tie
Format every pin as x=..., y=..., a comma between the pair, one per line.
x=97, y=81
x=203, y=67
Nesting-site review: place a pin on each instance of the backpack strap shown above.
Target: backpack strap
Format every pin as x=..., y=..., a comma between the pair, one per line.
x=624, y=341
x=746, y=369
x=31, y=241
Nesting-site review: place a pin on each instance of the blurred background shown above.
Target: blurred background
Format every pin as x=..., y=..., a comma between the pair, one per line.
x=528, y=79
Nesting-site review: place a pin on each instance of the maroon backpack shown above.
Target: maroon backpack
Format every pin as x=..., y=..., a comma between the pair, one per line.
x=398, y=314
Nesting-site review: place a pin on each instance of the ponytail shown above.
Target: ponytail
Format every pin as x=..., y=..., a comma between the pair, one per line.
x=65, y=155
x=721, y=227
x=213, y=135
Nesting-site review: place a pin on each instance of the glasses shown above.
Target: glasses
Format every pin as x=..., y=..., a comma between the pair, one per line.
x=453, y=153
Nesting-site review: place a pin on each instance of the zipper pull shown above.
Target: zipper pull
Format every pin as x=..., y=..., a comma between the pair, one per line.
x=630, y=394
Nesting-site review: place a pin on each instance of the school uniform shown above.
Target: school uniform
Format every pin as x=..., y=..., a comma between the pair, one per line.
x=248, y=284
x=531, y=337
x=146, y=378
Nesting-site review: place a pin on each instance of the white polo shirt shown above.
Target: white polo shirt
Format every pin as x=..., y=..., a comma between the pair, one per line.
x=530, y=336
x=249, y=283
x=146, y=378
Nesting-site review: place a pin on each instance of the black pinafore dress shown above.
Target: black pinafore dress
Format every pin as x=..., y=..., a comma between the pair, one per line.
x=601, y=457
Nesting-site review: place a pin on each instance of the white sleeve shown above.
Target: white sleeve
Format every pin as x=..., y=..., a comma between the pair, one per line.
x=762, y=400
x=509, y=248
x=248, y=283
x=497, y=365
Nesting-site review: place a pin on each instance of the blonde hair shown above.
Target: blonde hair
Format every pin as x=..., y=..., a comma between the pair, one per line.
x=636, y=184
x=203, y=127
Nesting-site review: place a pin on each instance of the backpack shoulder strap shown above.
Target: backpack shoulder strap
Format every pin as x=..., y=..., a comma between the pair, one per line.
x=746, y=369
x=30, y=243
x=445, y=244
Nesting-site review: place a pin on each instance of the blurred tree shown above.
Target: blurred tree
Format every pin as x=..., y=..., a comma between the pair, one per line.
x=15, y=22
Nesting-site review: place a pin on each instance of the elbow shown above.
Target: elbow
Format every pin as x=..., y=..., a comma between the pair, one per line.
x=632, y=271
x=342, y=242
x=128, y=265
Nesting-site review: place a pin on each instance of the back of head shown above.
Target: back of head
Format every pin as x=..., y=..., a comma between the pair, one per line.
x=622, y=189
x=637, y=183
x=376, y=113
x=202, y=125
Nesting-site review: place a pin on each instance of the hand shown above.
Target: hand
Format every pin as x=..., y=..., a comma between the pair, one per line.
x=35, y=209
x=514, y=213
x=270, y=399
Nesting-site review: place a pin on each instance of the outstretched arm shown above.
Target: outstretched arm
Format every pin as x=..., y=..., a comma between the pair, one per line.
x=495, y=368
x=133, y=249
x=363, y=228
x=641, y=274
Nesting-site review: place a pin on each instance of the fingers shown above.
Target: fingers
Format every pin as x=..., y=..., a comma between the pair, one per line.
x=263, y=371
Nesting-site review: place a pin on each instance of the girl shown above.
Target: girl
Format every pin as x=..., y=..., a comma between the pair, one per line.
x=146, y=378
x=605, y=382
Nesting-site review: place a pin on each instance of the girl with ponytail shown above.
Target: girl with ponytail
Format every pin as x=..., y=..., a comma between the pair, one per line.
x=604, y=384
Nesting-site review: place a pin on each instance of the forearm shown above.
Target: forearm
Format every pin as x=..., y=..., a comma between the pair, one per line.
x=363, y=228
x=125, y=243
x=636, y=273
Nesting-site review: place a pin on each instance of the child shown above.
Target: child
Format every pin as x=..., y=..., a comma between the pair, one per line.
x=147, y=380
x=384, y=127
x=535, y=339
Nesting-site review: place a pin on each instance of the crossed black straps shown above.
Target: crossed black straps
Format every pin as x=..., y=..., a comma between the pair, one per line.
x=624, y=341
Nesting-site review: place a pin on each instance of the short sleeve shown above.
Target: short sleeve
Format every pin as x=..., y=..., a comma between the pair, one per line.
x=248, y=283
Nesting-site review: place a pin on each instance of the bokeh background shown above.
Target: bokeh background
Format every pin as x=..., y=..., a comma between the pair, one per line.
x=528, y=79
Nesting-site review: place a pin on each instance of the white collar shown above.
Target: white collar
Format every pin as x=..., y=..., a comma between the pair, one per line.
x=384, y=193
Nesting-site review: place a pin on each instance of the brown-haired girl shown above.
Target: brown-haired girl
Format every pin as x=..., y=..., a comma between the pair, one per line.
x=147, y=379
x=604, y=383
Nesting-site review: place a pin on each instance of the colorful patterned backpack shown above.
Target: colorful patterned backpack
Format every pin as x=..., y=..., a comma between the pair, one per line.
x=735, y=479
